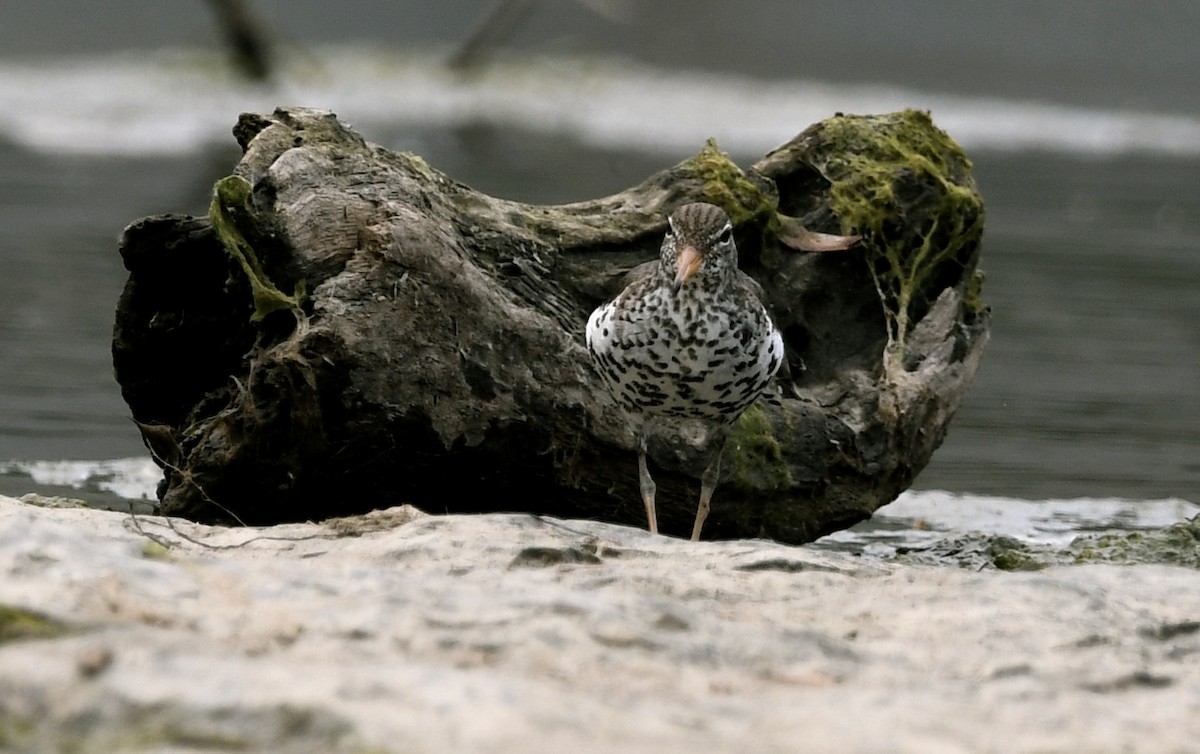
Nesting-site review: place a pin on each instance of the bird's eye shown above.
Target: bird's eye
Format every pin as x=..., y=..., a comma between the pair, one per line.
x=726, y=235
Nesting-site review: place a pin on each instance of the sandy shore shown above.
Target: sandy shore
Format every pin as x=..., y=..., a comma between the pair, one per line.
x=401, y=632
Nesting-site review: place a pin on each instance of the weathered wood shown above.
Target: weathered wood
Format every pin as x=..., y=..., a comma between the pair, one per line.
x=351, y=329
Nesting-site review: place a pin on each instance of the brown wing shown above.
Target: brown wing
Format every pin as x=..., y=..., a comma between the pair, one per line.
x=637, y=275
x=748, y=286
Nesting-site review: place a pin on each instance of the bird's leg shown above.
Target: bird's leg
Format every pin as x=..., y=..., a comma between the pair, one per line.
x=647, y=485
x=708, y=481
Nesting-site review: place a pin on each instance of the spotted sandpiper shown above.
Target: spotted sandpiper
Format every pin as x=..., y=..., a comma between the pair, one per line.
x=687, y=338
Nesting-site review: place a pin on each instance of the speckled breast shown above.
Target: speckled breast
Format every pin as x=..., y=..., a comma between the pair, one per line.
x=664, y=355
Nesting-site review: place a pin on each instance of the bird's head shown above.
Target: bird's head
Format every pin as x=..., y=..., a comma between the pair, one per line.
x=698, y=248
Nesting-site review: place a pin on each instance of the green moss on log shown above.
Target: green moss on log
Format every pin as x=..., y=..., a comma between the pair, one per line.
x=230, y=213
x=905, y=186
x=727, y=186
x=973, y=300
x=753, y=455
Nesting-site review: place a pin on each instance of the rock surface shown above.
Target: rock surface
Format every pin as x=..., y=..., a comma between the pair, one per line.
x=402, y=632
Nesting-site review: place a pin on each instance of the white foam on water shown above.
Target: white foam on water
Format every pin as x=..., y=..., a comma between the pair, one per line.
x=128, y=478
x=177, y=102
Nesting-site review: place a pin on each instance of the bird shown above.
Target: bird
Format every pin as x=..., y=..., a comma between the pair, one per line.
x=687, y=338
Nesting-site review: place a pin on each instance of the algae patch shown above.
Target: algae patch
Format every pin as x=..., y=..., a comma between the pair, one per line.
x=980, y=551
x=17, y=623
x=748, y=203
x=1178, y=544
x=230, y=214
x=973, y=300
x=727, y=186
x=754, y=455
x=153, y=550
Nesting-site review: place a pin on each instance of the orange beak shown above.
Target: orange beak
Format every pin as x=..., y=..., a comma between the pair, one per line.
x=688, y=261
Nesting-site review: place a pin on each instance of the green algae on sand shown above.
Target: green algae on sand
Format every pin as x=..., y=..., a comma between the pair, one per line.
x=1177, y=544
x=17, y=623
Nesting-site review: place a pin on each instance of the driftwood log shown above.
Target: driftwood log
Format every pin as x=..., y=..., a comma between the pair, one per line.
x=350, y=329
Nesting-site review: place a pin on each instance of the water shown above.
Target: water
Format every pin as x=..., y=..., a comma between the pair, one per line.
x=1087, y=151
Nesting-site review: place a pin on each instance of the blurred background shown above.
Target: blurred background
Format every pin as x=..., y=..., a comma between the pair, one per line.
x=1083, y=121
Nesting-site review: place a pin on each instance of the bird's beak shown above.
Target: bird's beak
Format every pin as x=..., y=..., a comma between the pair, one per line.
x=688, y=262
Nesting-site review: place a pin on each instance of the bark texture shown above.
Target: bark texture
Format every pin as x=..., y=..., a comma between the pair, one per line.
x=350, y=329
